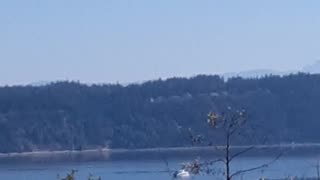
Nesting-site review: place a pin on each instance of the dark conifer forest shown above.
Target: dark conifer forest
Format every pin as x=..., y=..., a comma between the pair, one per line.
x=159, y=113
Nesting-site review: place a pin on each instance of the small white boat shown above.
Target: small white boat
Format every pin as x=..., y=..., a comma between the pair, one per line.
x=182, y=174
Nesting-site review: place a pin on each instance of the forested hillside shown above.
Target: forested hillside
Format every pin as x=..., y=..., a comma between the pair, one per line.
x=70, y=115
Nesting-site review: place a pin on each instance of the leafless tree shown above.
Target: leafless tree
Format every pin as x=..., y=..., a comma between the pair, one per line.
x=232, y=124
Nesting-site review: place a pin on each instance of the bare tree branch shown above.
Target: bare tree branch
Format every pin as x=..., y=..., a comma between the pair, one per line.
x=214, y=161
x=248, y=170
x=256, y=168
x=231, y=123
x=242, y=152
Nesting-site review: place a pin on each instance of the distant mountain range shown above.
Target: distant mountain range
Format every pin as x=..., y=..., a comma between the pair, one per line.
x=256, y=73
x=312, y=69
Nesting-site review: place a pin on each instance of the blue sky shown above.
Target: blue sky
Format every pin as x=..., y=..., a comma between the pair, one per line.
x=129, y=41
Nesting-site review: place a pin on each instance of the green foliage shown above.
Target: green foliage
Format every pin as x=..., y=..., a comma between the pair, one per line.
x=69, y=115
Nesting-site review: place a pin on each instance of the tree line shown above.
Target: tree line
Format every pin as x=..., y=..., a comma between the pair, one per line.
x=74, y=116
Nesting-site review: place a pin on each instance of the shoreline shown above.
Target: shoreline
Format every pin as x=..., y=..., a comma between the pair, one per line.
x=107, y=151
x=48, y=152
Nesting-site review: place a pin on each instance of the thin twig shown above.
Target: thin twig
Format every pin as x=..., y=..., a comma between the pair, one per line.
x=256, y=168
x=241, y=152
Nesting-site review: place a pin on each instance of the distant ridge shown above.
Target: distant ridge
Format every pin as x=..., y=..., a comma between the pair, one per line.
x=258, y=73
x=313, y=69
x=254, y=73
x=68, y=115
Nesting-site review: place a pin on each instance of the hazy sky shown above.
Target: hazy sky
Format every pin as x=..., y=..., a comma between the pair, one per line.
x=128, y=41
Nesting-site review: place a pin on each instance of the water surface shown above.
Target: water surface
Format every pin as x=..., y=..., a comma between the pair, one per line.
x=154, y=169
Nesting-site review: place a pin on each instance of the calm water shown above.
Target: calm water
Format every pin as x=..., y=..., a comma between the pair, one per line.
x=152, y=169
